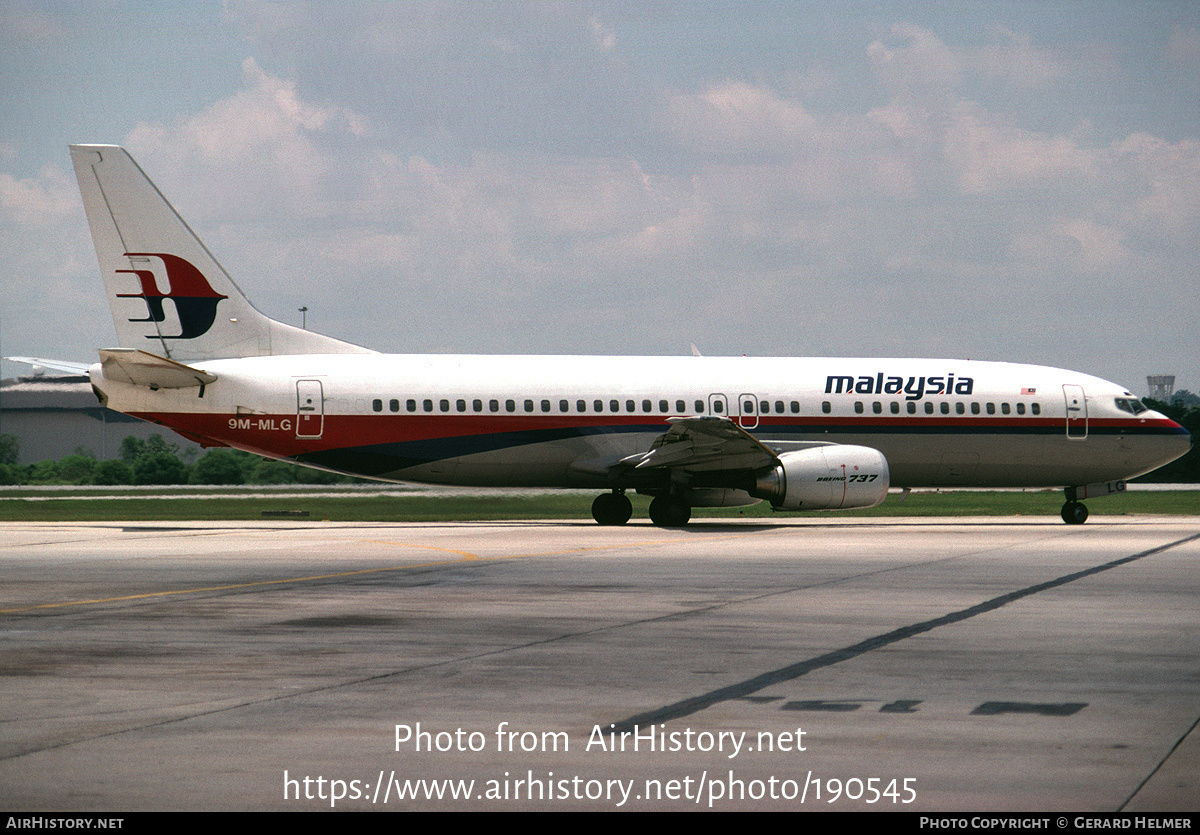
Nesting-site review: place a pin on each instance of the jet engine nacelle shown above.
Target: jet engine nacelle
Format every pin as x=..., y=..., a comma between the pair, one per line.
x=834, y=477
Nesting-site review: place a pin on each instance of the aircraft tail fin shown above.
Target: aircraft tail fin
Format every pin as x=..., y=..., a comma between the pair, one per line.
x=167, y=292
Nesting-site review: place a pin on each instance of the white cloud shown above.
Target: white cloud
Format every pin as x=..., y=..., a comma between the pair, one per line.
x=736, y=117
x=1167, y=181
x=602, y=36
x=266, y=122
x=1013, y=57
x=46, y=199
x=987, y=153
x=1183, y=46
x=914, y=60
x=1076, y=245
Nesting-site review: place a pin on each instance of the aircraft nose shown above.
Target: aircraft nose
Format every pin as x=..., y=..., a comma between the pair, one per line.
x=1180, y=442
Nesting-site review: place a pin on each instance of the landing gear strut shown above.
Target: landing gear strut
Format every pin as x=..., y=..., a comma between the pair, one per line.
x=1074, y=512
x=670, y=510
x=612, y=508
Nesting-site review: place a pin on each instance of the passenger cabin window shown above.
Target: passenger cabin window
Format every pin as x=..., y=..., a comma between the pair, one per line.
x=494, y=405
x=699, y=407
x=1035, y=408
x=377, y=405
x=477, y=405
x=1020, y=408
x=428, y=404
x=680, y=406
x=410, y=405
x=444, y=405
x=826, y=407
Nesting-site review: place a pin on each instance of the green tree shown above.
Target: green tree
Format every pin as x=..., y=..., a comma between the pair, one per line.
x=77, y=469
x=269, y=471
x=113, y=472
x=158, y=463
x=218, y=466
x=1185, y=399
x=44, y=472
x=9, y=450
x=131, y=448
x=12, y=474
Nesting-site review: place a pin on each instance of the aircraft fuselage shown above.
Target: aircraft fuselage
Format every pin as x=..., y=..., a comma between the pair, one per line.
x=559, y=421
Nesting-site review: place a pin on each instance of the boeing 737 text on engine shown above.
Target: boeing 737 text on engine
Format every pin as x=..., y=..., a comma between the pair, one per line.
x=803, y=434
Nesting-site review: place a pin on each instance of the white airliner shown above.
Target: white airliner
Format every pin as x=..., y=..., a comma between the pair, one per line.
x=691, y=431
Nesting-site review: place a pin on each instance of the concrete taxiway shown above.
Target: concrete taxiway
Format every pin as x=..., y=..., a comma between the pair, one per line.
x=810, y=663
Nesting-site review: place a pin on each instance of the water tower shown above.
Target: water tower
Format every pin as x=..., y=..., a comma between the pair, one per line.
x=1161, y=386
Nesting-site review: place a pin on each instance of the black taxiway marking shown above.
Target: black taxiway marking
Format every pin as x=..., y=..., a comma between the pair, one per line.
x=744, y=689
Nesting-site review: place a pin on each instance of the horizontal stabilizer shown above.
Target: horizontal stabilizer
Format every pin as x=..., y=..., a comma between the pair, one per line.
x=141, y=368
x=55, y=365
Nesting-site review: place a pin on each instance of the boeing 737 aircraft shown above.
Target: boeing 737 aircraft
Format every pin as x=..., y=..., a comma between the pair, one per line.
x=803, y=434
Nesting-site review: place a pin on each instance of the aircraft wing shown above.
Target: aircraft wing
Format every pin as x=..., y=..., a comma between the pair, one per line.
x=696, y=444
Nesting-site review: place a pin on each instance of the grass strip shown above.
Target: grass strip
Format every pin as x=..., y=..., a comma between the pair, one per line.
x=434, y=508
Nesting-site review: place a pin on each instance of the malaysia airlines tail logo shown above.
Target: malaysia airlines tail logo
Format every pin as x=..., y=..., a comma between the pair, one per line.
x=195, y=299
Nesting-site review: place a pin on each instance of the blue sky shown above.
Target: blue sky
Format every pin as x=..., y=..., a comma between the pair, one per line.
x=1015, y=181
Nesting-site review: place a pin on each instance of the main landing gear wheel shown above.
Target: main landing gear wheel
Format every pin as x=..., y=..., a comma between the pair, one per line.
x=670, y=511
x=612, y=509
x=1074, y=513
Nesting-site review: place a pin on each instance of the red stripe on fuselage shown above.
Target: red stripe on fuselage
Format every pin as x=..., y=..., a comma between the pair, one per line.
x=276, y=434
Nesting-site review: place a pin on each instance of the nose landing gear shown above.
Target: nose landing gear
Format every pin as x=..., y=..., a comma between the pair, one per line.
x=1074, y=512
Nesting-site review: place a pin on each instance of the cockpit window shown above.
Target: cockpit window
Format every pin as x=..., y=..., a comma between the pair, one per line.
x=1131, y=405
